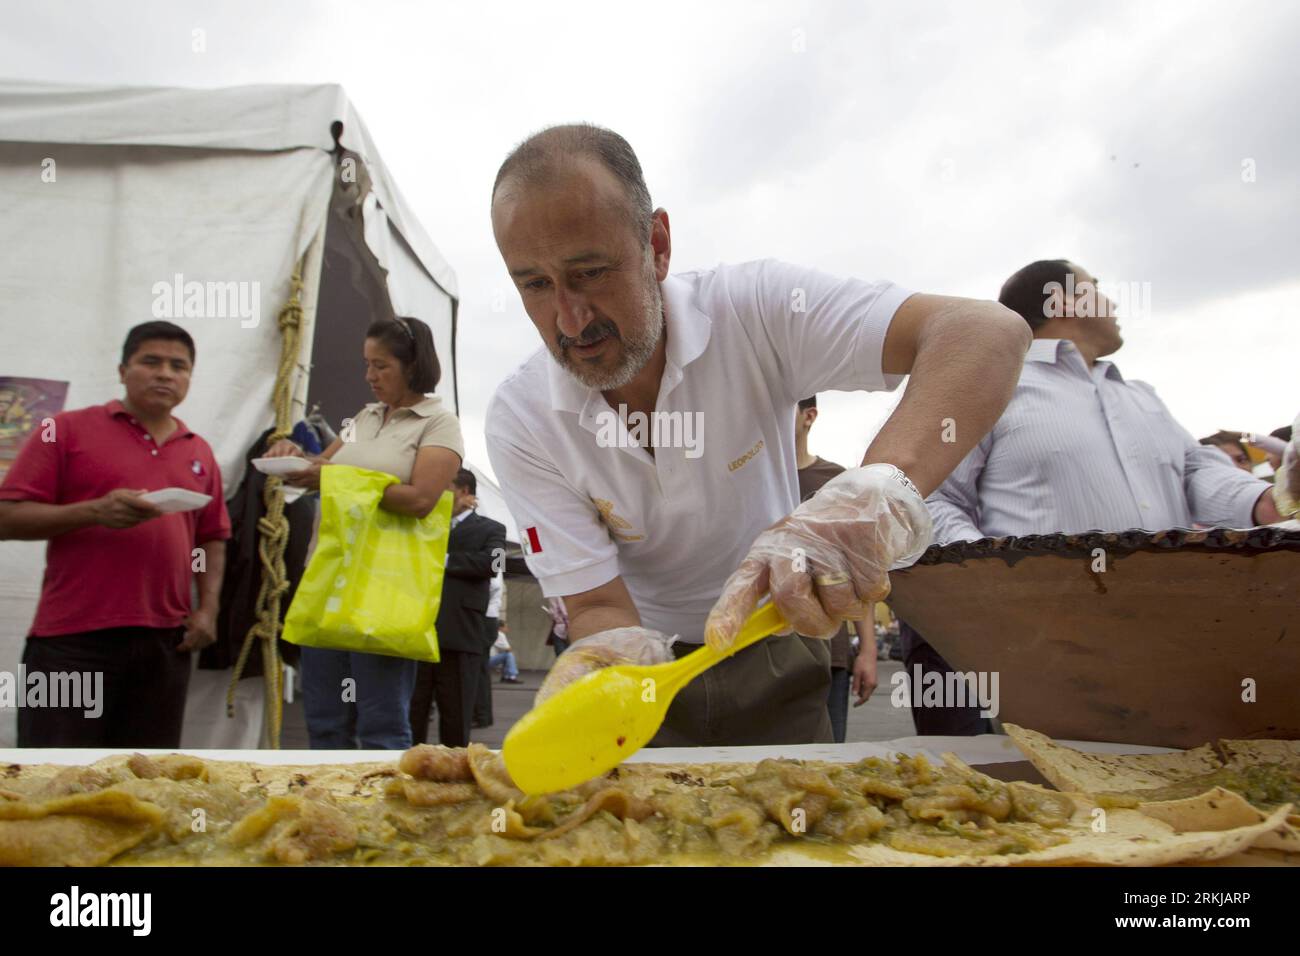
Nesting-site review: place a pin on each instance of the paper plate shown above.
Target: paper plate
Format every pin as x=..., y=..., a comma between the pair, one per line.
x=281, y=466
x=171, y=500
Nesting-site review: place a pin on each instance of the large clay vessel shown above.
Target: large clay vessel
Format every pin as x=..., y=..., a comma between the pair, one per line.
x=1172, y=638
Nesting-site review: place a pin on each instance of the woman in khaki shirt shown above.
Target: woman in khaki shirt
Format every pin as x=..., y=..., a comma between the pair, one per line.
x=406, y=433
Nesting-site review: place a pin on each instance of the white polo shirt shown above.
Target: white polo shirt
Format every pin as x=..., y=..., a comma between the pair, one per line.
x=744, y=344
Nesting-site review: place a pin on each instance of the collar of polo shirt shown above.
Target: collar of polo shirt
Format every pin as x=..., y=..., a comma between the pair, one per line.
x=688, y=331
x=424, y=409
x=117, y=410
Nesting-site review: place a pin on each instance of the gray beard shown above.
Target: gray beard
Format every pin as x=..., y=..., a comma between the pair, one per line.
x=638, y=349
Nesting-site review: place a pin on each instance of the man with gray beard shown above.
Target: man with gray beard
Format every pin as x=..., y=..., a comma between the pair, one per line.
x=656, y=548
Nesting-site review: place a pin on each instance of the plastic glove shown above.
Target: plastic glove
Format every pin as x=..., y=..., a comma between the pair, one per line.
x=622, y=645
x=829, y=559
x=1286, y=484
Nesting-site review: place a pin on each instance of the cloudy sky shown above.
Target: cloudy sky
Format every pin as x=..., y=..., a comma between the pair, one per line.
x=941, y=145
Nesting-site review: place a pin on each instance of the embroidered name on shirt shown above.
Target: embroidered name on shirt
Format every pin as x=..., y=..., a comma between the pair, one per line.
x=743, y=459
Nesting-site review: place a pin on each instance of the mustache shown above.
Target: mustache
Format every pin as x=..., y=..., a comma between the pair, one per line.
x=596, y=330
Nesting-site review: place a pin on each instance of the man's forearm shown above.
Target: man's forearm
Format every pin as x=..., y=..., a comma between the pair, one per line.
x=1265, y=511
x=965, y=371
x=601, y=617
x=602, y=608
x=209, y=580
x=37, y=521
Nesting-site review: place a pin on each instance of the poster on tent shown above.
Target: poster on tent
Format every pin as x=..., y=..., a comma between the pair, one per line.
x=24, y=404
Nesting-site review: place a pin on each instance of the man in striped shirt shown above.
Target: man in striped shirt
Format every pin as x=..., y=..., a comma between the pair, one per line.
x=1079, y=448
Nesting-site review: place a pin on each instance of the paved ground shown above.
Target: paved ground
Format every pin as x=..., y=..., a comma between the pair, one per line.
x=877, y=719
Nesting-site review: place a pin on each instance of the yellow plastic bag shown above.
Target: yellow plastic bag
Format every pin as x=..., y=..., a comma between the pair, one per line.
x=374, y=582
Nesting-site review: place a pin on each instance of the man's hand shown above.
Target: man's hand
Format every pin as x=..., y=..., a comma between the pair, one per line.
x=622, y=645
x=829, y=559
x=123, y=508
x=864, y=672
x=200, y=631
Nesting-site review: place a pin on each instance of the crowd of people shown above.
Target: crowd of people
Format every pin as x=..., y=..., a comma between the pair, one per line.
x=1014, y=422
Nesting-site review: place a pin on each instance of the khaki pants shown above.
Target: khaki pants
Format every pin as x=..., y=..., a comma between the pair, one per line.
x=773, y=692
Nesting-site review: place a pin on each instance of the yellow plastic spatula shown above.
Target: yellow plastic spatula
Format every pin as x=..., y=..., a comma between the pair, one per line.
x=600, y=720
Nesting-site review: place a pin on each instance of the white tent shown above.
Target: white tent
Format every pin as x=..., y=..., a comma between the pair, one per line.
x=493, y=504
x=117, y=205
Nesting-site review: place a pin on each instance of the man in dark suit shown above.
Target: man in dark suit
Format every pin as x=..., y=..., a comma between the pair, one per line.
x=475, y=549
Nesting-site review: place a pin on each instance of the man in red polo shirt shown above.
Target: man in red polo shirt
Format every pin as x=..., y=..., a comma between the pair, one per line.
x=115, y=602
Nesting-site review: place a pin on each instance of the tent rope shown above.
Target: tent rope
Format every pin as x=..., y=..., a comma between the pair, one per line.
x=273, y=530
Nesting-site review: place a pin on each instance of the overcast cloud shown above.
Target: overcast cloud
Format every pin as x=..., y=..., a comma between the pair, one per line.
x=939, y=145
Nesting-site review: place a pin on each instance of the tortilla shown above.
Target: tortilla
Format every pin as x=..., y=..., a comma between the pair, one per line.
x=1073, y=770
x=1118, y=775
x=1131, y=838
x=439, y=806
x=1260, y=751
x=83, y=829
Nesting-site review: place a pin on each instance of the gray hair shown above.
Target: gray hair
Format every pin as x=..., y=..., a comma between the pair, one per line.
x=538, y=157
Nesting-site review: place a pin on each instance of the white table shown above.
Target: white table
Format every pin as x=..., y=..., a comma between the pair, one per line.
x=984, y=749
